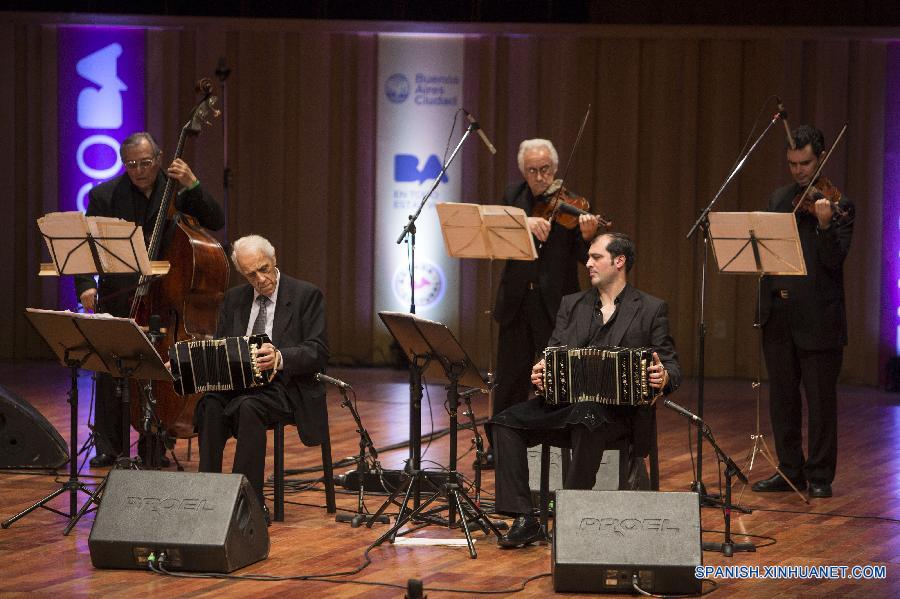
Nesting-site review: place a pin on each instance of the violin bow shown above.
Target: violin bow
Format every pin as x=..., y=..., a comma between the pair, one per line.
x=821, y=166
x=562, y=179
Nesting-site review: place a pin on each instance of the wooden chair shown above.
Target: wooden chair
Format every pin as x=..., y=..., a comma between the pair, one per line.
x=279, y=468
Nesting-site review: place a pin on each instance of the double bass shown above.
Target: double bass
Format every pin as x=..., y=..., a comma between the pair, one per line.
x=183, y=304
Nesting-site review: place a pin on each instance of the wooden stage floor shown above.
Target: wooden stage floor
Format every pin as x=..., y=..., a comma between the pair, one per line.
x=857, y=527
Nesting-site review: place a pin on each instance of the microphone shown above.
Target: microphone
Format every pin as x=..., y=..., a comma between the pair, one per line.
x=480, y=131
x=324, y=378
x=783, y=115
x=684, y=412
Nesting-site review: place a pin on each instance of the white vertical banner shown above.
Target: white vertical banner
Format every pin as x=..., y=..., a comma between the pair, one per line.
x=420, y=79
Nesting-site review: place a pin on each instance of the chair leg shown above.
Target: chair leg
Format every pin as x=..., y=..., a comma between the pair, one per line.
x=654, y=457
x=328, y=471
x=279, y=472
x=545, y=486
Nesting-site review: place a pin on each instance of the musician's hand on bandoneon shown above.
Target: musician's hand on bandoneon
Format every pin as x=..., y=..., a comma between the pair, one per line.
x=537, y=375
x=659, y=376
x=266, y=357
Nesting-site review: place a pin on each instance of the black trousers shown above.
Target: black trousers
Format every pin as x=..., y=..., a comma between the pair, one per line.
x=817, y=371
x=245, y=416
x=108, y=416
x=513, y=495
x=519, y=344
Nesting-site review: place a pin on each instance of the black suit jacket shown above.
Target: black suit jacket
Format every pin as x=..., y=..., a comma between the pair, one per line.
x=555, y=270
x=818, y=313
x=641, y=321
x=119, y=198
x=298, y=332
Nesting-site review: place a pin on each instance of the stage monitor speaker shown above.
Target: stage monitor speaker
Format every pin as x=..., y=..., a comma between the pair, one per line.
x=27, y=440
x=602, y=539
x=202, y=522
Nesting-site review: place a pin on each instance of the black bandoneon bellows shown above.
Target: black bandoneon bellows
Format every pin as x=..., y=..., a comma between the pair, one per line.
x=605, y=374
x=227, y=364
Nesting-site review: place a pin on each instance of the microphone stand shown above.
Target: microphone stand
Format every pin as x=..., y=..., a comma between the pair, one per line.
x=410, y=228
x=415, y=370
x=728, y=547
x=702, y=223
x=477, y=440
x=362, y=467
x=222, y=73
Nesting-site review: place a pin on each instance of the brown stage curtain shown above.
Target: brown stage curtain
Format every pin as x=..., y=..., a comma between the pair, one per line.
x=671, y=108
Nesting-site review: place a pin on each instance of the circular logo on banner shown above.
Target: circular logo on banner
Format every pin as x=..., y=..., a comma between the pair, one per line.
x=429, y=282
x=396, y=88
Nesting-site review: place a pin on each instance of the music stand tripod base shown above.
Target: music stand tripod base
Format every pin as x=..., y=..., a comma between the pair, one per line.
x=448, y=363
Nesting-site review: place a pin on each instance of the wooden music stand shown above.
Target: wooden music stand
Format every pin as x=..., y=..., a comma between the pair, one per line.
x=490, y=232
x=101, y=343
x=431, y=347
x=760, y=243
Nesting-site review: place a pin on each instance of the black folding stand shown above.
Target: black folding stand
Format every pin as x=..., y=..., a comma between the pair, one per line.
x=128, y=354
x=431, y=345
x=73, y=485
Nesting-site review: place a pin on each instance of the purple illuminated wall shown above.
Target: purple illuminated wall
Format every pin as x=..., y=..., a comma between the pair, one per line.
x=890, y=282
x=100, y=95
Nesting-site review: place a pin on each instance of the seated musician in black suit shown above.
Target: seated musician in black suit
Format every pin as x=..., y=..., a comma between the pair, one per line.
x=292, y=313
x=611, y=312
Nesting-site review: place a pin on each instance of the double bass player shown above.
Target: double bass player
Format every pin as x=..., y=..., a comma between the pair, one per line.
x=135, y=196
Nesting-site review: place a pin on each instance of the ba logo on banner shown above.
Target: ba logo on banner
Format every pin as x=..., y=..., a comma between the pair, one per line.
x=406, y=169
x=396, y=88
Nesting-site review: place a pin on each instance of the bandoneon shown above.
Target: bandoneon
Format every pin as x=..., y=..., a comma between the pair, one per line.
x=609, y=375
x=227, y=364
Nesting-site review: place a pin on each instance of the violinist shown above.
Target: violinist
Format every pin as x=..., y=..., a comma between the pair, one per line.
x=804, y=325
x=530, y=292
x=134, y=196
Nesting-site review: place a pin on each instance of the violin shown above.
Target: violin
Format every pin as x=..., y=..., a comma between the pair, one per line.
x=806, y=201
x=823, y=188
x=559, y=204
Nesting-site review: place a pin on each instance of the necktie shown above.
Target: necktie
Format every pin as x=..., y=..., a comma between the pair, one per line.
x=259, y=325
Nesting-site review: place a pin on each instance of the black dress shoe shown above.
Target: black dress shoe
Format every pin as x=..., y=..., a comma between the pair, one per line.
x=266, y=515
x=776, y=483
x=102, y=460
x=819, y=490
x=486, y=462
x=525, y=530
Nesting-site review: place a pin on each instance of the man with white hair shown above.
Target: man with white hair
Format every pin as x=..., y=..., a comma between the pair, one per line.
x=530, y=292
x=292, y=313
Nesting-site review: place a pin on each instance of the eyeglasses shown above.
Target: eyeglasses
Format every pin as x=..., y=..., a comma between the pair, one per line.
x=139, y=164
x=544, y=170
